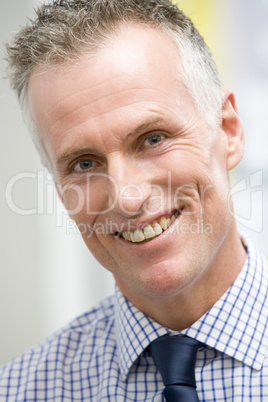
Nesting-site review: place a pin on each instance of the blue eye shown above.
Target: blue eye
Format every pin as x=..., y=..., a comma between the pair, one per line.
x=154, y=139
x=83, y=165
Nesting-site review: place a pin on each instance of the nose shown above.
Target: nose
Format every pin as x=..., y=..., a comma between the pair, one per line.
x=129, y=187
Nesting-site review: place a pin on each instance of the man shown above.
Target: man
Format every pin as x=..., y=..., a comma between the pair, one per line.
x=128, y=112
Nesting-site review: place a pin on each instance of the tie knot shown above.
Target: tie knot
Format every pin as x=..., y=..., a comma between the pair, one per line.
x=175, y=358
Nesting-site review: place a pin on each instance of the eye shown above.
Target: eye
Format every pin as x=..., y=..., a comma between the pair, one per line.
x=83, y=165
x=153, y=140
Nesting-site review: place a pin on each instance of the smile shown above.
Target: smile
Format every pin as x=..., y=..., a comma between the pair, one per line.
x=149, y=232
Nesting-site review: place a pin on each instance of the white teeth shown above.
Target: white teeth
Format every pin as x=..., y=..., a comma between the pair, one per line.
x=149, y=231
x=163, y=223
x=157, y=228
x=126, y=235
x=137, y=236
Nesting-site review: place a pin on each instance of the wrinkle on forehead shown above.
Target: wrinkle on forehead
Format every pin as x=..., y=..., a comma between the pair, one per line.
x=131, y=52
x=136, y=71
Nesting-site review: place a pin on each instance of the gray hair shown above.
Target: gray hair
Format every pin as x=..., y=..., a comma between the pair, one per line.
x=65, y=29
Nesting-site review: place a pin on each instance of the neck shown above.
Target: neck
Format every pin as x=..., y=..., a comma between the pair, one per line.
x=180, y=310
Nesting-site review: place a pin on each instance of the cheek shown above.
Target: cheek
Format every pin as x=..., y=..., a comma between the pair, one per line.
x=189, y=183
x=74, y=200
x=201, y=188
x=104, y=254
x=84, y=201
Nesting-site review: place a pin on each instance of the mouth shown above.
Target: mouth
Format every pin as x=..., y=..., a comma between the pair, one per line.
x=150, y=231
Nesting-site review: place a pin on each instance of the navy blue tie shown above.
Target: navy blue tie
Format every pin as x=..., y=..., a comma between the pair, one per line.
x=175, y=358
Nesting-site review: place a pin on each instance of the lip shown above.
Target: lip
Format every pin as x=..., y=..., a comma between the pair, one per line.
x=154, y=243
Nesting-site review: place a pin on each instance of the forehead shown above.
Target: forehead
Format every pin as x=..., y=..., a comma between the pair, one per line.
x=137, y=69
x=134, y=51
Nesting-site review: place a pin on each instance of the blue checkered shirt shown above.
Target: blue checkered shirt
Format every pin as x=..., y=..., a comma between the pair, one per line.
x=101, y=356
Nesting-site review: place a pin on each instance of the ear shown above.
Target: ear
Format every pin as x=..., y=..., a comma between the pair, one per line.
x=233, y=128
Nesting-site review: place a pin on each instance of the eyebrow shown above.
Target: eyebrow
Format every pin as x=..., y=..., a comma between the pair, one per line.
x=144, y=127
x=69, y=154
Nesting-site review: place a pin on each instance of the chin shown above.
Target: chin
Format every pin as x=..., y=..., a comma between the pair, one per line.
x=164, y=281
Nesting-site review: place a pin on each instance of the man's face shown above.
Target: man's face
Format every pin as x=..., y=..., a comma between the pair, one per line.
x=131, y=152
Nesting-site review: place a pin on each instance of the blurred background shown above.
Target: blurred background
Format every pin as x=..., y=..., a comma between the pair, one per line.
x=47, y=276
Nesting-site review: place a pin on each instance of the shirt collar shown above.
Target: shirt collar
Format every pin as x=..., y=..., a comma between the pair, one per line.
x=134, y=332
x=236, y=325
